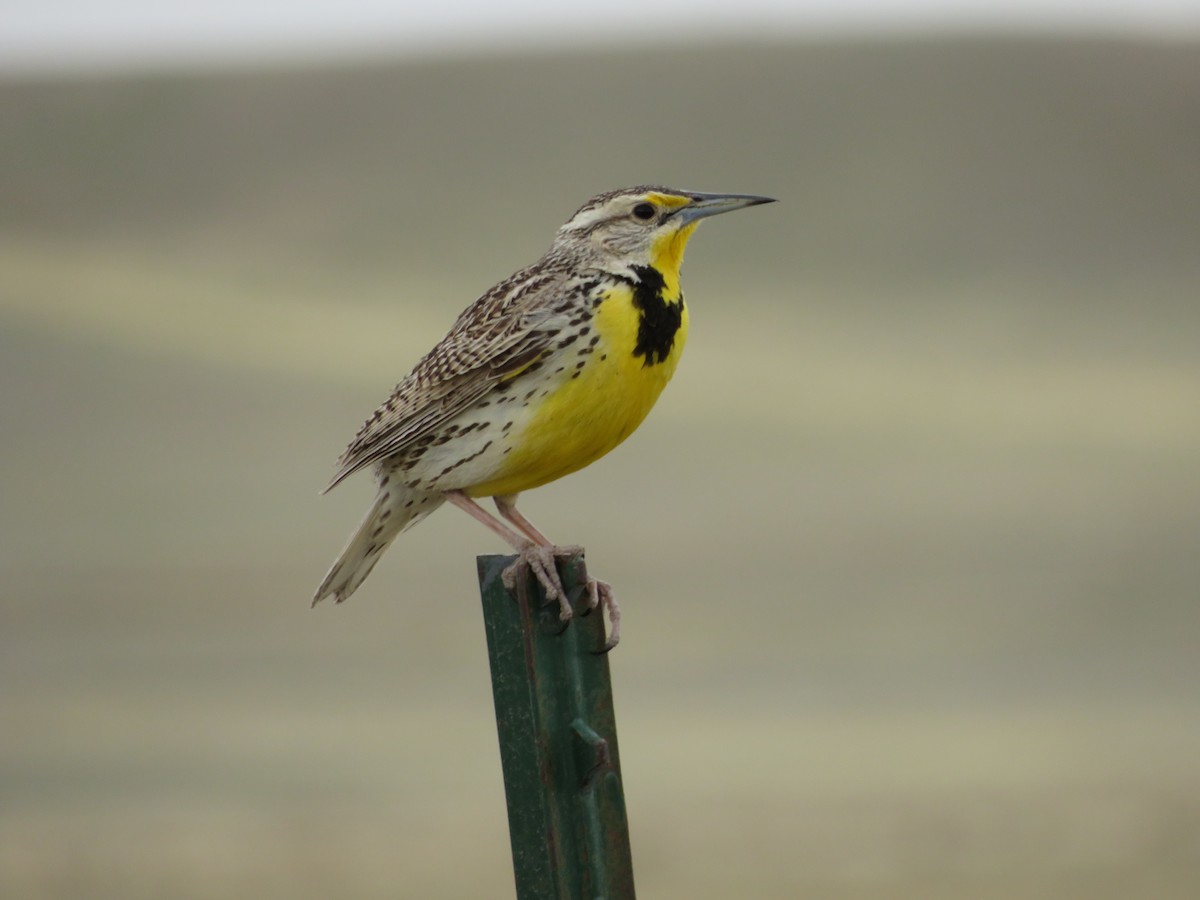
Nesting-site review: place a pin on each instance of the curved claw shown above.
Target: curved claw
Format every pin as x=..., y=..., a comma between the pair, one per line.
x=600, y=593
x=540, y=561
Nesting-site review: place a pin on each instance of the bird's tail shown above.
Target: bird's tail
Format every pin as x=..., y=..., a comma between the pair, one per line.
x=396, y=509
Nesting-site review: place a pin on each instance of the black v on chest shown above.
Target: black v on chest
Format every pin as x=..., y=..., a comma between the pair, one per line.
x=659, y=318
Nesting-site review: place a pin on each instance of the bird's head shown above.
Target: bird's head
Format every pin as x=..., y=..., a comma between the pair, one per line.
x=644, y=225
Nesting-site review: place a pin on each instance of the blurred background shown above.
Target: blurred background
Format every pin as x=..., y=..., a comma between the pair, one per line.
x=908, y=552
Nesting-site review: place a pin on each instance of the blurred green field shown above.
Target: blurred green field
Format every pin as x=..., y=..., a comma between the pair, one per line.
x=908, y=553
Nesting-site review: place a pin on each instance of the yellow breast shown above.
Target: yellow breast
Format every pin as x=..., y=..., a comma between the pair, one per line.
x=588, y=410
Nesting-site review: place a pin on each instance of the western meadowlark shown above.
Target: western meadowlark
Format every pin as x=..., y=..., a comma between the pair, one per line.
x=542, y=375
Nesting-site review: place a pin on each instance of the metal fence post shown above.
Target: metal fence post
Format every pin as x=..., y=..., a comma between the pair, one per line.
x=558, y=739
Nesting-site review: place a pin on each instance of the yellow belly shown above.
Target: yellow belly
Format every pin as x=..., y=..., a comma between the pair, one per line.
x=585, y=417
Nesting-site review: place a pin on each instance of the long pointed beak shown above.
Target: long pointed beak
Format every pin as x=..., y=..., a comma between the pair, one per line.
x=705, y=205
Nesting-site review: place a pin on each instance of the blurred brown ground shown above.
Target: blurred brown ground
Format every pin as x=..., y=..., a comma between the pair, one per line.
x=908, y=553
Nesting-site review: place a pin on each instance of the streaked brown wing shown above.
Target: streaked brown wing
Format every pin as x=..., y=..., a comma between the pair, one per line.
x=506, y=330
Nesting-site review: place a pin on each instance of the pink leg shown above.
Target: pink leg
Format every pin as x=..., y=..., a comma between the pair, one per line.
x=477, y=512
x=534, y=556
x=507, y=505
x=600, y=593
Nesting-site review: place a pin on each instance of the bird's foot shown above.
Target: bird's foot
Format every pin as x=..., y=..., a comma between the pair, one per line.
x=540, y=561
x=600, y=593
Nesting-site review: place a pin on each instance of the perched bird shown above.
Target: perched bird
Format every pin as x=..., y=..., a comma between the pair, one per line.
x=542, y=375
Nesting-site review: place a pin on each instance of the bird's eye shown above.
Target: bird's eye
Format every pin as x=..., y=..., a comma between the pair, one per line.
x=644, y=211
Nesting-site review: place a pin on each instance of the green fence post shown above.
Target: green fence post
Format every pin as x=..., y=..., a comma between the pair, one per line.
x=558, y=739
